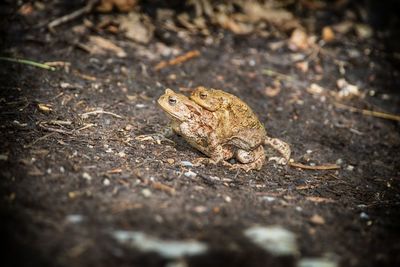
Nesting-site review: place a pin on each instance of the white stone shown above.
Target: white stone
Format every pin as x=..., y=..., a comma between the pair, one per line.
x=171, y=249
x=274, y=239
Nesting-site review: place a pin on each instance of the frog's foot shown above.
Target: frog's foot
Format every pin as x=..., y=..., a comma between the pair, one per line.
x=256, y=165
x=279, y=160
x=282, y=147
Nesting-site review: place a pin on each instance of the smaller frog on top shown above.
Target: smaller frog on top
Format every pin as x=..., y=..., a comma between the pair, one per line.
x=238, y=124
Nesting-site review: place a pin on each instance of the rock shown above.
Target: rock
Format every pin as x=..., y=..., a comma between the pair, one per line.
x=186, y=163
x=274, y=239
x=146, y=192
x=86, y=176
x=317, y=219
x=364, y=216
x=74, y=218
x=316, y=262
x=350, y=168
x=268, y=198
x=106, y=182
x=171, y=249
x=190, y=174
x=327, y=34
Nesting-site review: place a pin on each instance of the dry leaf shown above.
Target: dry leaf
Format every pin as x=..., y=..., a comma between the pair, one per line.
x=363, y=31
x=303, y=66
x=25, y=9
x=100, y=45
x=46, y=108
x=229, y=23
x=276, y=16
x=315, y=89
x=35, y=172
x=347, y=90
x=327, y=34
x=343, y=27
x=298, y=40
x=274, y=90
x=317, y=219
x=137, y=27
x=121, y=5
x=320, y=199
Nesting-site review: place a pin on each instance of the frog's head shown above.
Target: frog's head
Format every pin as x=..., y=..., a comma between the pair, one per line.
x=178, y=106
x=207, y=98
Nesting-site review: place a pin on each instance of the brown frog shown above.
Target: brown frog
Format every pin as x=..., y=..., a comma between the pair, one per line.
x=199, y=127
x=238, y=125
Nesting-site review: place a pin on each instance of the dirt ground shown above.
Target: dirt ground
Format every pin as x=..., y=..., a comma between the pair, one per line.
x=69, y=178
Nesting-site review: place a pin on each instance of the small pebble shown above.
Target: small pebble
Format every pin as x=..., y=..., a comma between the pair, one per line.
x=268, y=198
x=274, y=239
x=309, y=151
x=186, y=163
x=74, y=218
x=190, y=174
x=364, y=216
x=316, y=262
x=228, y=199
x=106, y=182
x=62, y=170
x=86, y=176
x=350, y=168
x=200, y=209
x=339, y=161
x=317, y=219
x=170, y=161
x=146, y=192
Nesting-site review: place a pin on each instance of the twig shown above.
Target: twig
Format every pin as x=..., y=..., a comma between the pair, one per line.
x=28, y=62
x=76, y=14
x=163, y=187
x=270, y=72
x=60, y=122
x=39, y=139
x=99, y=111
x=284, y=77
x=178, y=60
x=367, y=112
x=54, y=129
x=88, y=125
x=319, y=167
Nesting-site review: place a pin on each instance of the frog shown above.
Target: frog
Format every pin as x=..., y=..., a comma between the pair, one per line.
x=199, y=127
x=239, y=125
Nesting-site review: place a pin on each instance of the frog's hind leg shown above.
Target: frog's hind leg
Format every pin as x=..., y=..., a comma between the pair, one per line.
x=249, y=160
x=279, y=145
x=247, y=139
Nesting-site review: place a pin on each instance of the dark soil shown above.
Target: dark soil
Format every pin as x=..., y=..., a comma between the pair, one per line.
x=46, y=168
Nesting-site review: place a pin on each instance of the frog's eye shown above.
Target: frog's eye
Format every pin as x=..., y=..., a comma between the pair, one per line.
x=203, y=95
x=172, y=100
